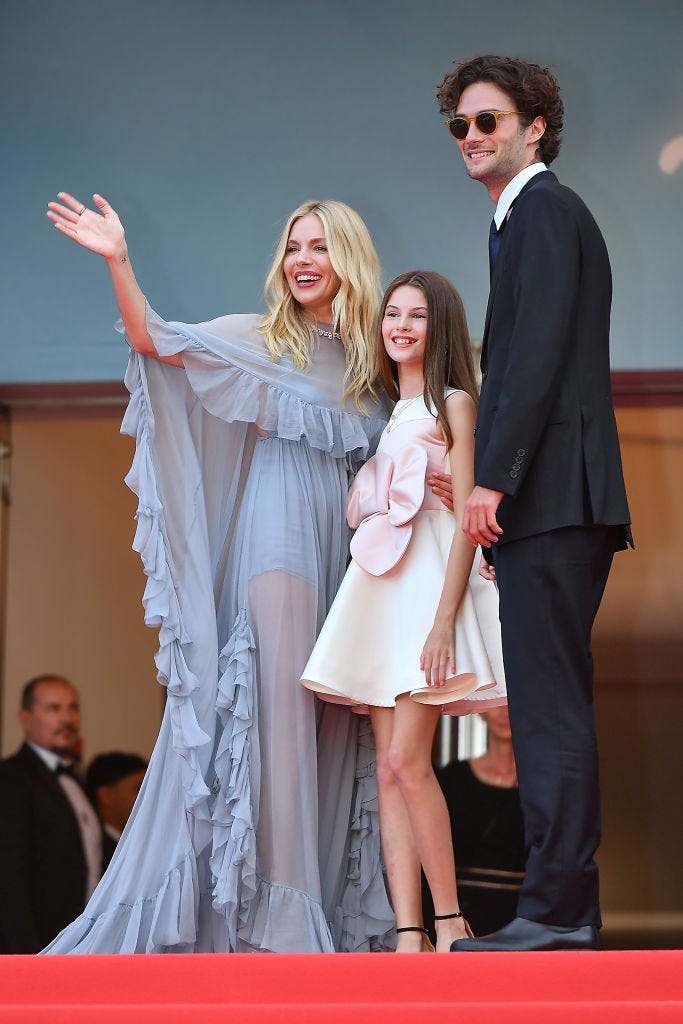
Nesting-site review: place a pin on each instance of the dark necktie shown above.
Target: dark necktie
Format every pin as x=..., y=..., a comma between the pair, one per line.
x=495, y=238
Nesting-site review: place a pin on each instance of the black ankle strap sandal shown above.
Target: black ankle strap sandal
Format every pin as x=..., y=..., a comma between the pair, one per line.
x=449, y=917
x=423, y=931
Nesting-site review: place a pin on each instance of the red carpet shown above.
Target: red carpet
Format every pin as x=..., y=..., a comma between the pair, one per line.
x=627, y=987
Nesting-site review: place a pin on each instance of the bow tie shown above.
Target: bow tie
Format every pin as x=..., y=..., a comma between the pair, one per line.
x=65, y=769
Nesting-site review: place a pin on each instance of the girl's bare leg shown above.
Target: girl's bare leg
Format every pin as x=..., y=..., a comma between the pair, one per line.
x=410, y=764
x=398, y=844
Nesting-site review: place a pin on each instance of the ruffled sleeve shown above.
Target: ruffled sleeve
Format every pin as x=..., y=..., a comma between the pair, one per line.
x=233, y=375
x=186, y=473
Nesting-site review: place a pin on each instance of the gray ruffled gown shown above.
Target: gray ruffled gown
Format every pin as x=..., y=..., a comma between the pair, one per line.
x=256, y=827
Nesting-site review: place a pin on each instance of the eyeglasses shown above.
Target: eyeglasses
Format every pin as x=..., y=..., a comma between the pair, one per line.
x=486, y=122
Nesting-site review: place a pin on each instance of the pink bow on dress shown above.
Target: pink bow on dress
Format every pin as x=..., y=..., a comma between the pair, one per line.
x=383, y=500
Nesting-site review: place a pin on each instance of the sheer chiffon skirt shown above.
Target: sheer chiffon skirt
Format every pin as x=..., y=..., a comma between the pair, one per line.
x=257, y=824
x=297, y=863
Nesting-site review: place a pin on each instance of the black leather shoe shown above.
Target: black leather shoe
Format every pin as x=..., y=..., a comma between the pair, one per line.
x=532, y=935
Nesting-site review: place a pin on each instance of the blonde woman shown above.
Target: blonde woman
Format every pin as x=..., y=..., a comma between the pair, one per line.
x=251, y=827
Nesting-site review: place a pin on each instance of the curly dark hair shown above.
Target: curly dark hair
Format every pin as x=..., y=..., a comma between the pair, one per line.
x=531, y=88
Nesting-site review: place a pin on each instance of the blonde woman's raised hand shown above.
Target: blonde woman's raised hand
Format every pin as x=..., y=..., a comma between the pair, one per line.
x=101, y=232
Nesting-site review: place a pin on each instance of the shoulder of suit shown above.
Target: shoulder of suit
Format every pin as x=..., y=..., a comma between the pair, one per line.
x=545, y=191
x=23, y=761
x=14, y=759
x=14, y=771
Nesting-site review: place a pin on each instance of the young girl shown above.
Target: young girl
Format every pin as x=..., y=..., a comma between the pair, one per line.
x=412, y=609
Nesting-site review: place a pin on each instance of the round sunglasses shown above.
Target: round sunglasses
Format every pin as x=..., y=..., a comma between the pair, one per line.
x=486, y=122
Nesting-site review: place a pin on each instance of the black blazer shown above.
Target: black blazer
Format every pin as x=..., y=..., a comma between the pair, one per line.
x=546, y=433
x=42, y=865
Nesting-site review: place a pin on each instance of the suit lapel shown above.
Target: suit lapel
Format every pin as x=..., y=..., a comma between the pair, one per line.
x=42, y=774
x=541, y=176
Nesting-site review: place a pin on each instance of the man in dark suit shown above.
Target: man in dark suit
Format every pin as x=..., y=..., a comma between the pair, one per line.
x=549, y=504
x=50, y=836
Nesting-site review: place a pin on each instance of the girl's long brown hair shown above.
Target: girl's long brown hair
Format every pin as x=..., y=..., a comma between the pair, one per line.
x=448, y=359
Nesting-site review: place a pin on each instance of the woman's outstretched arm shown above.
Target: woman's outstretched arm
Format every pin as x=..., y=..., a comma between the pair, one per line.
x=103, y=233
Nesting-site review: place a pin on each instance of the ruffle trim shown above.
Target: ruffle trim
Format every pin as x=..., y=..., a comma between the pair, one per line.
x=235, y=815
x=365, y=921
x=281, y=919
x=167, y=919
x=242, y=393
x=162, y=609
x=280, y=413
x=164, y=922
x=259, y=915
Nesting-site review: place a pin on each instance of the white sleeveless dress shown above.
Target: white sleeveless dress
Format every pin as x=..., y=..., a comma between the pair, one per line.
x=368, y=652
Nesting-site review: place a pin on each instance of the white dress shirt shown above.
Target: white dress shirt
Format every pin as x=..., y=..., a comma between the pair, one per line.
x=512, y=190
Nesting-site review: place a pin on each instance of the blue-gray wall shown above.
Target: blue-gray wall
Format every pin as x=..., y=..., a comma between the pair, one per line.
x=205, y=121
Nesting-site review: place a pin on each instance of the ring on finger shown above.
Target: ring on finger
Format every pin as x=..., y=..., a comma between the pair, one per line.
x=81, y=212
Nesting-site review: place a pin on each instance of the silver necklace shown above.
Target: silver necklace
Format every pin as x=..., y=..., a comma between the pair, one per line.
x=397, y=413
x=328, y=334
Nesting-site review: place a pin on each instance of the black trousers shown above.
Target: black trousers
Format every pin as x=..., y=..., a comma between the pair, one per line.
x=550, y=588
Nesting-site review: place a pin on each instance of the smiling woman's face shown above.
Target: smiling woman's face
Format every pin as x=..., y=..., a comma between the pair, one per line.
x=307, y=267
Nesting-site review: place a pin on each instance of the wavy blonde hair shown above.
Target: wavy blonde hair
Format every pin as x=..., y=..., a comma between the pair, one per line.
x=288, y=327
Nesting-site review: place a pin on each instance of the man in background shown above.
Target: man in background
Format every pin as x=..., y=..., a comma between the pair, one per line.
x=50, y=835
x=113, y=782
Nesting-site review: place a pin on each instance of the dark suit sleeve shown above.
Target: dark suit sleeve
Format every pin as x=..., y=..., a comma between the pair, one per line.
x=18, y=930
x=539, y=282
